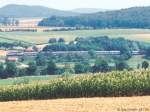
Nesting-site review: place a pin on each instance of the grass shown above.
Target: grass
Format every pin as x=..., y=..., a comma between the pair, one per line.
x=30, y=79
x=135, y=60
x=139, y=104
x=43, y=37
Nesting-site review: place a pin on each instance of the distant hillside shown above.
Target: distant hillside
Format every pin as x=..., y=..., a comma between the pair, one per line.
x=136, y=17
x=32, y=11
x=88, y=10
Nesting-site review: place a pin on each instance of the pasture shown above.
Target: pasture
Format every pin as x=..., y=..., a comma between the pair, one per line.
x=43, y=37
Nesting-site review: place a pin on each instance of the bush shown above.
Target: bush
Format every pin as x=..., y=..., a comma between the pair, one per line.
x=101, y=66
x=121, y=65
x=145, y=64
x=31, y=70
x=98, y=85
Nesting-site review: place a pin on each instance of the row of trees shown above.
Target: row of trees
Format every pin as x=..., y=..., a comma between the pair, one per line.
x=10, y=69
x=102, y=43
x=54, y=40
x=9, y=21
x=9, y=45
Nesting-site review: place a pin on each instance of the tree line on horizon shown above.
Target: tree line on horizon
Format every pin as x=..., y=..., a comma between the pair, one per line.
x=137, y=17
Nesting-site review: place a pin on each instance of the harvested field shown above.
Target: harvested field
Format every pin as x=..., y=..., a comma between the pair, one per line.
x=122, y=104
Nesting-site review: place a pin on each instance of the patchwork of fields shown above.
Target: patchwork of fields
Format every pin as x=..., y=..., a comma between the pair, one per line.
x=43, y=37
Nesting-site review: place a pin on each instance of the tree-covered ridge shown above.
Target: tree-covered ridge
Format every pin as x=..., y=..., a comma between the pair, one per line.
x=103, y=43
x=136, y=17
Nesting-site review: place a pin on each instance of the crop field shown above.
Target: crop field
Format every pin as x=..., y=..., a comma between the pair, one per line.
x=125, y=83
x=43, y=37
x=118, y=104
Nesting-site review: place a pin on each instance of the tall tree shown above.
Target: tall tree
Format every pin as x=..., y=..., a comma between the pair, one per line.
x=51, y=68
x=11, y=69
x=2, y=70
x=31, y=70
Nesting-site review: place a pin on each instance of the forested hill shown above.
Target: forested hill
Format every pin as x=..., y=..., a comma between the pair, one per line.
x=20, y=11
x=135, y=17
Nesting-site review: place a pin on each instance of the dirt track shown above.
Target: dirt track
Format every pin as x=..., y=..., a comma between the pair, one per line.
x=126, y=104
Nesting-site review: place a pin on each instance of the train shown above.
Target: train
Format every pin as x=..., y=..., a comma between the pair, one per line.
x=18, y=54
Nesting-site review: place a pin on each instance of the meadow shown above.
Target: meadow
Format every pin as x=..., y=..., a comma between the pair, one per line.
x=43, y=37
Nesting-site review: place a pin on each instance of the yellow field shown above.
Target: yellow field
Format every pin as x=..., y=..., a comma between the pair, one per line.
x=122, y=104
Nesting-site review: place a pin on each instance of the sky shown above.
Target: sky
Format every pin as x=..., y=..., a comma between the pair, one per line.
x=72, y=4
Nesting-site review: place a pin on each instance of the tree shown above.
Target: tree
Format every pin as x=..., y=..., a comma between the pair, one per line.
x=138, y=66
x=61, y=40
x=51, y=68
x=87, y=67
x=22, y=72
x=121, y=65
x=17, y=22
x=31, y=70
x=92, y=53
x=2, y=70
x=147, y=52
x=11, y=69
x=145, y=64
x=101, y=66
x=40, y=60
x=79, y=68
x=125, y=52
x=52, y=40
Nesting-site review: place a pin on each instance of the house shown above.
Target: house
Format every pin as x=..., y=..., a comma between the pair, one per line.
x=29, y=49
x=12, y=59
x=3, y=53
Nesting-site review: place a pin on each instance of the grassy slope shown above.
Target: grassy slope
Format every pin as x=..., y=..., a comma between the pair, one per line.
x=42, y=37
x=79, y=105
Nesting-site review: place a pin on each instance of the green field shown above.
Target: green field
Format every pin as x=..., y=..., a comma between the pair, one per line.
x=43, y=37
x=26, y=79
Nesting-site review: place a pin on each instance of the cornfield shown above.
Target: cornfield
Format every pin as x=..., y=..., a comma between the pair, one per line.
x=125, y=83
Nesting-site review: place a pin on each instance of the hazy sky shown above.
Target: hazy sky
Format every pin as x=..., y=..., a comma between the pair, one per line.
x=71, y=4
